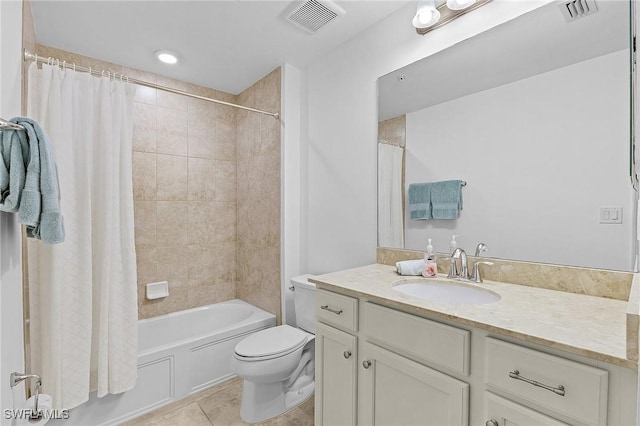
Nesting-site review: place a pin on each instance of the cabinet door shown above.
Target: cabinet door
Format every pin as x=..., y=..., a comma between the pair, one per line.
x=398, y=391
x=336, y=357
x=502, y=412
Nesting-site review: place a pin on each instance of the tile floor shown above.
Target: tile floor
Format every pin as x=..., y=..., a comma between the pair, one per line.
x=218, y=406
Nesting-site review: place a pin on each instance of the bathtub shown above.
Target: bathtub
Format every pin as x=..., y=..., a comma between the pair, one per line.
x=178, y=354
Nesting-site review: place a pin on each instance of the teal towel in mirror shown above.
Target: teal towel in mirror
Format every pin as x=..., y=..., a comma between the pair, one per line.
x=446, y=199
x=420, y=201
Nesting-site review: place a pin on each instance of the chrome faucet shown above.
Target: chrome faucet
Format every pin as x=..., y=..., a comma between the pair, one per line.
x=463, y=275
x=481, y=248
x=453, y=270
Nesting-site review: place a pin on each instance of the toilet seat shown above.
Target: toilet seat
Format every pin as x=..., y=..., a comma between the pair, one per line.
x=271, y=343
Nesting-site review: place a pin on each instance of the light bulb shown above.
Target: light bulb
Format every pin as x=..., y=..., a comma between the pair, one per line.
x=426, y=15
x=459, y=4
x=166, y=56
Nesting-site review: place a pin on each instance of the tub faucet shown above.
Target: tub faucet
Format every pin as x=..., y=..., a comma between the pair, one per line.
x=453, y=270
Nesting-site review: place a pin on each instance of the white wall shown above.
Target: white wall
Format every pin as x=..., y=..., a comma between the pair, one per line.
x=291, y=188
x=340, y=125
x=11, y=337
x=539, y=156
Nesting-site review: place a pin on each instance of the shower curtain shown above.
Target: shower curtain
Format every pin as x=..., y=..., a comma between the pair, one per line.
x=390, y=211
x=83, y=293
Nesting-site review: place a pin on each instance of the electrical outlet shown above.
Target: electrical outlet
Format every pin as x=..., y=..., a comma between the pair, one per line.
x=610, y=214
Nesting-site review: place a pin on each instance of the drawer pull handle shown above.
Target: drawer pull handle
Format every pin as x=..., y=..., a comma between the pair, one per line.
x=491, y=423
x=515, y=374
x=327, y=308
x=366, y=364
x=347, y=354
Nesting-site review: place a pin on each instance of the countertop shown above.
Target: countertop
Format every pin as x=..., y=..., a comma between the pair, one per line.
x=595, y=327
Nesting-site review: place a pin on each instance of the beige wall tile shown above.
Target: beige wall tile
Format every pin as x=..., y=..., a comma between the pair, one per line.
x=145, y=95
x=172, y=178
x=144, y=127
x=171, y=100
x=258, y=197
x=172, y=133
x=172, y=223
x=200, y=222
x=145, y=220
x=173, y=265
x=201, y=265
x=147, y=263
x=202, y=179
x=225, y=181
x=201, y=145
x=144, y=176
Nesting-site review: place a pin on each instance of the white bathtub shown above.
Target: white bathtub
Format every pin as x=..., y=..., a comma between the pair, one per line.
x=178, y=354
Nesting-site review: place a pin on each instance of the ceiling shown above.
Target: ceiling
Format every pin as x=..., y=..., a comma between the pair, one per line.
x=536, y=42
x=223, y=44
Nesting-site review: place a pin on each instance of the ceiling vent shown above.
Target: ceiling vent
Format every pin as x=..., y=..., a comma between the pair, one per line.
x=312, y=15
x=577, y=9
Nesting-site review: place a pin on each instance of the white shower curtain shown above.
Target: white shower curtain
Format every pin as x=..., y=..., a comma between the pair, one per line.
x=83, y=292
x=390, y=212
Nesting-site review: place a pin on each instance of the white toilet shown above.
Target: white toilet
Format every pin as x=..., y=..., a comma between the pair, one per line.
x=277, y=364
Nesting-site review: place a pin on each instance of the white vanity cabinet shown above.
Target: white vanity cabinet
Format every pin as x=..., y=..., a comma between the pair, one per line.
x=377, y=364
x=373, y=374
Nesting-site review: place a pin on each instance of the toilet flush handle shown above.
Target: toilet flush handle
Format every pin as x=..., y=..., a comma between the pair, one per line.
x=347, y=354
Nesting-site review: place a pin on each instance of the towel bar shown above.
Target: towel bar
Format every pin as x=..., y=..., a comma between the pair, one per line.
x=4, y=124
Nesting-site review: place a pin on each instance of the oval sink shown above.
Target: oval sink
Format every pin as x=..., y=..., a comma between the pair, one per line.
x=446, y=292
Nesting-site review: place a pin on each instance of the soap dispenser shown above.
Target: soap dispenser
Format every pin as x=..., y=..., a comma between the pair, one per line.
x=453, y=245
x=430, y=269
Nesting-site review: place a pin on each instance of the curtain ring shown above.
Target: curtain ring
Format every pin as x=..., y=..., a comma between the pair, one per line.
x=64, y=65
x=58, y=62
x=74, y=66
x=36, y=59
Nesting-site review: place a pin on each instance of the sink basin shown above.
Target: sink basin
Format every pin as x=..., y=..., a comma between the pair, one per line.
x=446, y=292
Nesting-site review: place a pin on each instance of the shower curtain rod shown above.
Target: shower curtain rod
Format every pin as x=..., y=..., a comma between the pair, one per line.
x=28, y=56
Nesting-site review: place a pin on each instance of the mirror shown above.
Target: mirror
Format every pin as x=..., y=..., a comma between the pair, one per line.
x=534, y=115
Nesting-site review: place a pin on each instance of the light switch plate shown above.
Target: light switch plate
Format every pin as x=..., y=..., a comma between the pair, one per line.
x=611, y=214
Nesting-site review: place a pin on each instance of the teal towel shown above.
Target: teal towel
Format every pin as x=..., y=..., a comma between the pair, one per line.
x=40, y=203
x=14, y=150
x=446, y=199
x=419, y=201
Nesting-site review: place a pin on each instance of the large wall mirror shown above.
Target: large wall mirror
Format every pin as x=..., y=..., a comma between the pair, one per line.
x=534, y=115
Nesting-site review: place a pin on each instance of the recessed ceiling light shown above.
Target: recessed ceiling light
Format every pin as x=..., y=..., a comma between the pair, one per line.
x=166, y=56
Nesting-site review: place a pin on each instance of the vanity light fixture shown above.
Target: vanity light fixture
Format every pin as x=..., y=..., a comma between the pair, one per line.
x=459, y=4
x=430, y=16
x=166, y=56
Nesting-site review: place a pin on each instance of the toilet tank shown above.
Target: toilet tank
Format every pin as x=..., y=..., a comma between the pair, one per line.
x=304, y=302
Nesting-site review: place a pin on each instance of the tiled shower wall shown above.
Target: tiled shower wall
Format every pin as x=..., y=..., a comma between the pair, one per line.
x=259, y=196
x=185, y=186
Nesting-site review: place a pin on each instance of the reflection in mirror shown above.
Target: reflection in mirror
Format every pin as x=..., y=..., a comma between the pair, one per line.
x=534, y=115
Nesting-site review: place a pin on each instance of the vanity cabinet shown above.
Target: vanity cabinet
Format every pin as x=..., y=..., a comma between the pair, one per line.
x=398, y=391
x=336, y=376
x=373, y=375
x=379, y=365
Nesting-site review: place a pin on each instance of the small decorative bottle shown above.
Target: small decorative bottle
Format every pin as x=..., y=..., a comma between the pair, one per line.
x=430, y=269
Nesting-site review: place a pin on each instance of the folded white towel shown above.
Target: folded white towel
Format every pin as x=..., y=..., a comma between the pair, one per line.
x=410, y=267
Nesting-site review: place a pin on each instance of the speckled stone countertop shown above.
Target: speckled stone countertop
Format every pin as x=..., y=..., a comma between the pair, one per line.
x=595, y=327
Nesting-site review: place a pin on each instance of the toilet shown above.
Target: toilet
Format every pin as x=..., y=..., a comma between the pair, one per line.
x=277, y=364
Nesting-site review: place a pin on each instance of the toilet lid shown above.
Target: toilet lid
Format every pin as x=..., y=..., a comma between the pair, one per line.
x=271, y=341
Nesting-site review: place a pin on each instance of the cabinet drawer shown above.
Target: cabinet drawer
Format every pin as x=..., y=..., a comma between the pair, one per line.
x=504, y=412
x=337, y=309
x=419, y=338
x=566, y=387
